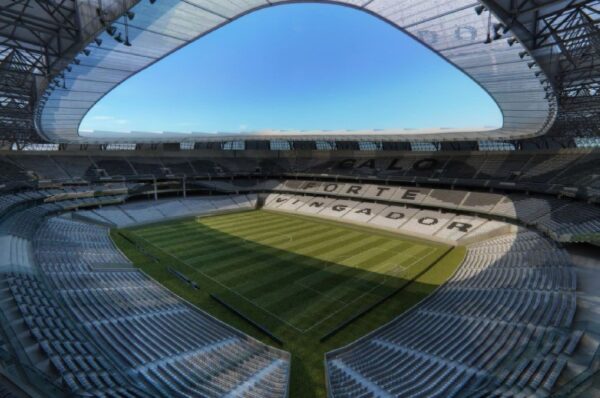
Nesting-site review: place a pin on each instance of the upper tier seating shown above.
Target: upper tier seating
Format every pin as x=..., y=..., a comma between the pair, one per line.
x=501, y=166
x=9, y=171
x=205, y=167
x=178, y=166
x=150, y=166
x=75, y=166
x=585, y=171
x=497, y=327
x=551, y=172
x=115, y=166
x=43, y=166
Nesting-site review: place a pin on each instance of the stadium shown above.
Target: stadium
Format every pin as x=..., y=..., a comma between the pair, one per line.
x=437, y=262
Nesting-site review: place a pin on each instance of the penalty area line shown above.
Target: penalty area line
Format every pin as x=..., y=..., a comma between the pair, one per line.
x=365, y=293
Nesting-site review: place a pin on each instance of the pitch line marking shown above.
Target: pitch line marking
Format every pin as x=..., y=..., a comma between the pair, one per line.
x=224, y=286
x=248, y=241
x=362, y=295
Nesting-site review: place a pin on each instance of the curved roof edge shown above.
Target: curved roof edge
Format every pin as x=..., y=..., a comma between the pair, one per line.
x=452, y=29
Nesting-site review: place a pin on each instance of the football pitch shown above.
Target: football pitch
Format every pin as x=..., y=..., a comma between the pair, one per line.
x=300, y=277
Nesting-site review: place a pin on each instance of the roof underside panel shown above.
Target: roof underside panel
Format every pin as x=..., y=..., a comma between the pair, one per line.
x=449, y=27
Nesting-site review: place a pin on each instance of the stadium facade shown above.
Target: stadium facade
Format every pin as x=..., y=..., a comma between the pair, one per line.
x=517, y=317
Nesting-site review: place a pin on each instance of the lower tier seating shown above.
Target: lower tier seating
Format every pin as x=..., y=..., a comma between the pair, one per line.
x=445, y=226
x=563, y=219
x=96, y=326
x=496, y=328
x=154, y=211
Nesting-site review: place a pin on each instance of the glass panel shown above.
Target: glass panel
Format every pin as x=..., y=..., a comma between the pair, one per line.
x=450, y=27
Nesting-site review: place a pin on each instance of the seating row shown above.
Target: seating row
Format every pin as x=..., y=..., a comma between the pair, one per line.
x=555, y=217
x=489, y=331
x=444, y=226
x=154, y=211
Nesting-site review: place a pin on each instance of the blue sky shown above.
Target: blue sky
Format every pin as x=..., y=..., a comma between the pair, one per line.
x=297, y=67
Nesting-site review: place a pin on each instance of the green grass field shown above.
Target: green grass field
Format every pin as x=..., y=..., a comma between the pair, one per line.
x=298, y=276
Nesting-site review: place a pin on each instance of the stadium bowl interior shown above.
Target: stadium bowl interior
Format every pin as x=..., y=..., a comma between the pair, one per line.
x=440, y=263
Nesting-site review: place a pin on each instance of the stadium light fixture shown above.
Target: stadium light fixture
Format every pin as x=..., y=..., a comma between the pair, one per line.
x=130, y=15
x=522, y=54
x=511, y=41
x=98, y=41
x=119, y=38
x=100, y=15
x=86, y=52
x=479, y=9
x=127, y=43
x=531, y=64
x=76, y=61
x=111, y=30
x=499, y=30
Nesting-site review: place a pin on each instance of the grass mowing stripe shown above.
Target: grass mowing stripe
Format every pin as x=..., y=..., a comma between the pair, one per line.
x=246, y=229
x=230, y=257
x=211, y=245
x=233, y=292
x=224, y=241
x=336, y=254
x=254, y=222
x=277, y=279
x=204, y=231
x=257, y=255
x=194, y=224
x=363, y=312
x=234, y=223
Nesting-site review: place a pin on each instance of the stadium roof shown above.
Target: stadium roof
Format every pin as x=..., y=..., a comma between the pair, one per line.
x=530, y=56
